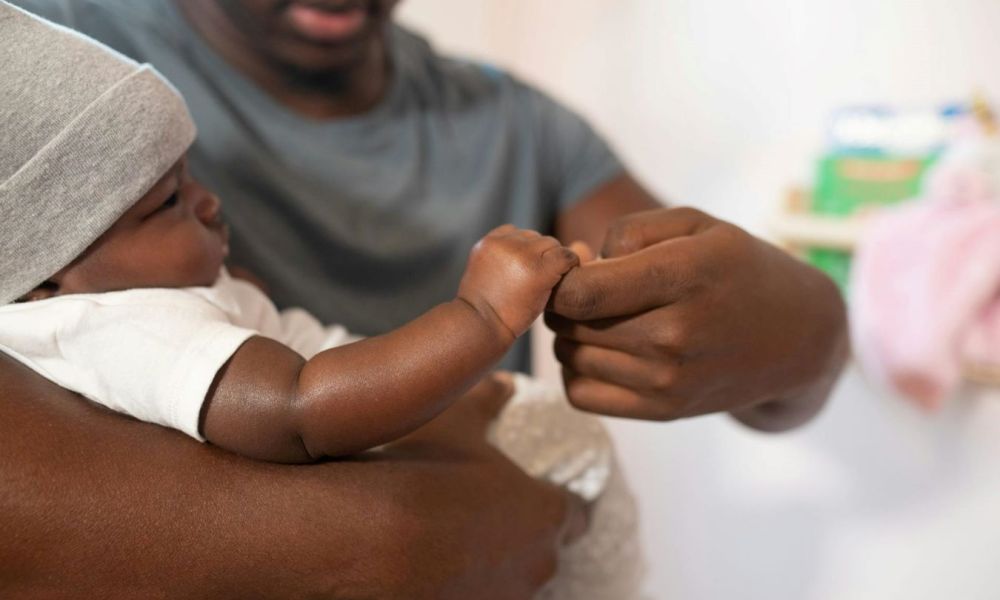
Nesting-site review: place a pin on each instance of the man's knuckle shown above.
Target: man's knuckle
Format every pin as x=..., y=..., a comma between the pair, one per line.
x=663, y=381
x=681, y=274
x=681, y=334
x=578, y=304
x=626, y=234
x=669, y=339
x=659, y=272
x=689, y=213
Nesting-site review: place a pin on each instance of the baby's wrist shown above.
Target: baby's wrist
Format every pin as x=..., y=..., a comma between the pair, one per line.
x=489, y=317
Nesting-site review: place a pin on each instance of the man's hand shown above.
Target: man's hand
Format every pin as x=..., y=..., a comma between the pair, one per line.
x=688, y=315
x=522, y=521
x=511, y=273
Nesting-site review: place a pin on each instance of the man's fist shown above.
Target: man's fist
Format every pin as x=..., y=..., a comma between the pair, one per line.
x=688, y=315
x=510, y=276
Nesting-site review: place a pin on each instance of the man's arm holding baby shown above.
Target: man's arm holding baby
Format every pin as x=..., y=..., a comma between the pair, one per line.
x=270, y=403
x=98, y=505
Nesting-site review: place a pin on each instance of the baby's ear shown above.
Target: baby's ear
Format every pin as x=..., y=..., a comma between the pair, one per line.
x=44, y=290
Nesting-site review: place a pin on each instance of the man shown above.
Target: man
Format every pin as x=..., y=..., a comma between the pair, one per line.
x=363, y=165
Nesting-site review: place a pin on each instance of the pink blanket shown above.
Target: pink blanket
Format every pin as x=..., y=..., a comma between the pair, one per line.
x=925, y=288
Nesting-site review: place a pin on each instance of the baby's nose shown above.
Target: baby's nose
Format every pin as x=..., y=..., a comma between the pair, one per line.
x=208, y=208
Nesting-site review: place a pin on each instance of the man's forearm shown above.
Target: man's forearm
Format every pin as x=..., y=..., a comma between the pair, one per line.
x=96, y=505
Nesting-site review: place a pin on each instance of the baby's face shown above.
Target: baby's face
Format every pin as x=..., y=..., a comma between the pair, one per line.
x=172, y=237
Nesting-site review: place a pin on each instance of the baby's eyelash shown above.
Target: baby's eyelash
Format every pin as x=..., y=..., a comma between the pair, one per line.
x=171, y=201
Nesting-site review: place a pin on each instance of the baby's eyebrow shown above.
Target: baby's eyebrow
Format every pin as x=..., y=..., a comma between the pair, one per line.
x=176, y=174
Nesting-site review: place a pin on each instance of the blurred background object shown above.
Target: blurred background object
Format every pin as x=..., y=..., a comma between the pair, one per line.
x=925, y=283
x=876, y=156
x=725, y=105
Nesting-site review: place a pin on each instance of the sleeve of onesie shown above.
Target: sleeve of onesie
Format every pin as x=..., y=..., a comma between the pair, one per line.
x=154, y=358
x=303, y=333
x=293, y=327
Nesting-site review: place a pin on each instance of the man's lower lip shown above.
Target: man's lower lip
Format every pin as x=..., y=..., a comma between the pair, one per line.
x=326, y=26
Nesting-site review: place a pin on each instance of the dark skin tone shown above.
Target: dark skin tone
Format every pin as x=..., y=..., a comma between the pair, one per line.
x=268, y=402
x=326, y=78
x=688, y=315
x=507, y=539
x=126, y=509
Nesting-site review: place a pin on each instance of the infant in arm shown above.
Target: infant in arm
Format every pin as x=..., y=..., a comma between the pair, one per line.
x=112, y=285
x=147, y=322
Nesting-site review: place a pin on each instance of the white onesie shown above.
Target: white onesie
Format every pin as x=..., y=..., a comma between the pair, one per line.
x=153, y=353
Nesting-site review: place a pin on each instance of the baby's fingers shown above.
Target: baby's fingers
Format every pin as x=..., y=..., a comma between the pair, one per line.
x=559, y=258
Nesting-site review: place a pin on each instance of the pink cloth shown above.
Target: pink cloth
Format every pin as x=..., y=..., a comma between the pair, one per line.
x=925, y=286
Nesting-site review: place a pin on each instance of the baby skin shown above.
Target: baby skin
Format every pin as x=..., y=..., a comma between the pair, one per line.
x=268, y=402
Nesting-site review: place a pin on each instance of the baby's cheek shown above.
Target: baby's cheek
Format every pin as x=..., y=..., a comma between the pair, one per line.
x=195, y=262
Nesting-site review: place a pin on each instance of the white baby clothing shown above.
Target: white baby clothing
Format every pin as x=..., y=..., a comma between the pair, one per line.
x=153, y=353
x=541, y=433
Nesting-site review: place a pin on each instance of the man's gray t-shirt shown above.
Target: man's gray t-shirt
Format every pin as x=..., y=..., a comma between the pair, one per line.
x=365, y=221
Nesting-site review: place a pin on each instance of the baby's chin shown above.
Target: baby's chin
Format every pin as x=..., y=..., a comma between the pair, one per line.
x=214, y=274
x=206, y=274
x=215, y=260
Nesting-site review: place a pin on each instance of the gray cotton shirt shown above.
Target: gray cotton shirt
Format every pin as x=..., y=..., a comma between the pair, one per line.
x=365, y=221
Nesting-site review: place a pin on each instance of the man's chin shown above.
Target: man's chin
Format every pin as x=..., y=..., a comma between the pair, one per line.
x=325, y=66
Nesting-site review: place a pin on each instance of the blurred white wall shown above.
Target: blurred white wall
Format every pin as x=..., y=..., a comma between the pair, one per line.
x=721, y=104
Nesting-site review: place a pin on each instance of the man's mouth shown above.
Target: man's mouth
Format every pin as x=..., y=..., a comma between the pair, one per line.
x=327, y=22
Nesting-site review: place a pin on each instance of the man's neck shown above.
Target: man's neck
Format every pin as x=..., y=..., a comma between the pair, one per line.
x=348, y=92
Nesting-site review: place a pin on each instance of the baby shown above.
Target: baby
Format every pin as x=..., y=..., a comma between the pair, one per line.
x=141, y=320
x=112, y=285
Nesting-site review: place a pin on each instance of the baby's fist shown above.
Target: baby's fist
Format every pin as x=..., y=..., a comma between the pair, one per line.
x=511, y=273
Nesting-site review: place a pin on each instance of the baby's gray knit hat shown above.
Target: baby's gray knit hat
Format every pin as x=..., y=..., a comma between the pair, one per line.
x=84, y=133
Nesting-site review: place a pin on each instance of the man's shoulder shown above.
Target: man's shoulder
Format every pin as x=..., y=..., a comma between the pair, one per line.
x=98, y=18
x=452, y=76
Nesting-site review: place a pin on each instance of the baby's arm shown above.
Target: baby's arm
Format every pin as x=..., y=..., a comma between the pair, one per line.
x=270, y=403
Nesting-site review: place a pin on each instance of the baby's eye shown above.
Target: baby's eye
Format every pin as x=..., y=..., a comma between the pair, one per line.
x=169, y=202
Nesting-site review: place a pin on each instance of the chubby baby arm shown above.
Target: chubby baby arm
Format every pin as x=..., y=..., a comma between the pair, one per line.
x=270, y=403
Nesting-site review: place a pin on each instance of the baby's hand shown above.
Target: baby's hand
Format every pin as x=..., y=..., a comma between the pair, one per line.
x=511, y=273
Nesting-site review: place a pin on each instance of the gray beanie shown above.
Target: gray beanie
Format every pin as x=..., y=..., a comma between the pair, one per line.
x=84, y=133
